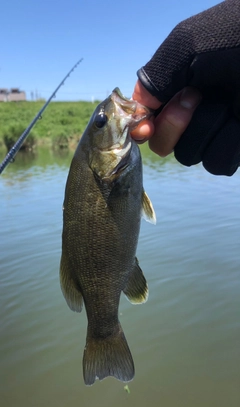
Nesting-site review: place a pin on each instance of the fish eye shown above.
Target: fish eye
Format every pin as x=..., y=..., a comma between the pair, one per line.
x=100, y=120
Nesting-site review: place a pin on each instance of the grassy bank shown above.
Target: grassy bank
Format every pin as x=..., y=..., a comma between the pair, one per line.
x=62, y=123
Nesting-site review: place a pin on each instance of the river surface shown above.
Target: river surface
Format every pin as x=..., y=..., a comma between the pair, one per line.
x=185, y=340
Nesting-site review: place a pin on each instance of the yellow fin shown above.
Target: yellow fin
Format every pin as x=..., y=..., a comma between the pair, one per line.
x=136, y=289
x=148, y=212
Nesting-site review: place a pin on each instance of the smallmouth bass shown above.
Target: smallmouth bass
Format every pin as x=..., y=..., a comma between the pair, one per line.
x=103, y=205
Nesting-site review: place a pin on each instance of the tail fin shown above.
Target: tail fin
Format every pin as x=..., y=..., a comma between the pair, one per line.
x=107, y=357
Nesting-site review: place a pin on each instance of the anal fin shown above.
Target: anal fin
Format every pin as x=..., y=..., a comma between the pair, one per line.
x=136, y=288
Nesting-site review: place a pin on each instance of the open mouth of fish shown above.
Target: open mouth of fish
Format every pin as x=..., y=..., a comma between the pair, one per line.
x=134, y=110
x=126, y=114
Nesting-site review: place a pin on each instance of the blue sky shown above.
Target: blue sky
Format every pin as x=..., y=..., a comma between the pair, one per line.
x=42, y=40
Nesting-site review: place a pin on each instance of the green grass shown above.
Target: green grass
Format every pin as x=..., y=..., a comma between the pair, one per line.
x=61, y=122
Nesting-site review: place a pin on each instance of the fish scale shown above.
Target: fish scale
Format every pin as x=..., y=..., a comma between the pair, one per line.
x=104, y=200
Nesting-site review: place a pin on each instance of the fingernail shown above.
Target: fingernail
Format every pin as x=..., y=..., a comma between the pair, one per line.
x=143, y=140
x=140, y=140
x=190, y=98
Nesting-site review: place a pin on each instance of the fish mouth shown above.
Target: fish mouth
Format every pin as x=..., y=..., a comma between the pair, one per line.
x=133, y=111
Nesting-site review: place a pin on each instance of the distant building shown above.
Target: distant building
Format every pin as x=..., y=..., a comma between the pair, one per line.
x=15, y=95
x=12, y=95
x=3, y=95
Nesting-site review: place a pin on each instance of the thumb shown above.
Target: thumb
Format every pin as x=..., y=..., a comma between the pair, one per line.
x=142, y=95
x=146, y=128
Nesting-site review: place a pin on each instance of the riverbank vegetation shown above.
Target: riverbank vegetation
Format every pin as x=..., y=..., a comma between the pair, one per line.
x=61, y=126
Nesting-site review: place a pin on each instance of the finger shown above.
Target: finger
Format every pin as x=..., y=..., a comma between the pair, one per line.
x=144, y=97
x=173, y=120
x=145, y=129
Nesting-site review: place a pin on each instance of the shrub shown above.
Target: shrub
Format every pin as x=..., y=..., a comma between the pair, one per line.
x=11, y=135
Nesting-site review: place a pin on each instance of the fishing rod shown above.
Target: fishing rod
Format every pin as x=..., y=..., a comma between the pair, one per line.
x=13, y=151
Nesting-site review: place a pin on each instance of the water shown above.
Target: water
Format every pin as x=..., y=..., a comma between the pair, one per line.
x=185, y=340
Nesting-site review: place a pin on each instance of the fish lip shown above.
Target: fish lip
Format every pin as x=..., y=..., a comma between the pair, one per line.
x=119, y=93
x=133, y=108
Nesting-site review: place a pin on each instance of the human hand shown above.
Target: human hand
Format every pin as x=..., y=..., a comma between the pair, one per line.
x=164, y=131
x=200, y=58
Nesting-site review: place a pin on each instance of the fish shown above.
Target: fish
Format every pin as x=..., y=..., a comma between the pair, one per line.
x=103, y=205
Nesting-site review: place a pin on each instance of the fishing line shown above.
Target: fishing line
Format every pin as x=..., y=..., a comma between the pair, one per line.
x=13, y=151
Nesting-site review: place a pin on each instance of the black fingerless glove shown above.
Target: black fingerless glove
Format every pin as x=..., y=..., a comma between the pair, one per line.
x=204, y=51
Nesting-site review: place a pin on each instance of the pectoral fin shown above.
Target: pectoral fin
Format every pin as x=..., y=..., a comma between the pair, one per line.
x=71, y=292
x=136, y=288
x=148, y=212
